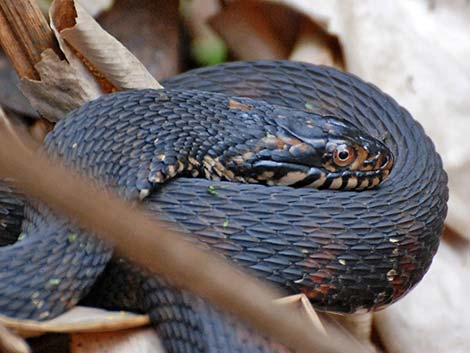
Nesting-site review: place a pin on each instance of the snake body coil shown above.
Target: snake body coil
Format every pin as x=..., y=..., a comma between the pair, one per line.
x=346, y=250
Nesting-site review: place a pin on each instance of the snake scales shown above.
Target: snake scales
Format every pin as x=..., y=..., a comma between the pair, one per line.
x=346, y=250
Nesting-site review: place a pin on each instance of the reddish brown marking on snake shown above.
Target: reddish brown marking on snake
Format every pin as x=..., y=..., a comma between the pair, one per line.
x=322, y=289
x=303, y=147
x=273, y=142
x=233, y=104
x=292, y=141
x=320, y=276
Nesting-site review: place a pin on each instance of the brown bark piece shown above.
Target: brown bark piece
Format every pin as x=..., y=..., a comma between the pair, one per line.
x=24, y=35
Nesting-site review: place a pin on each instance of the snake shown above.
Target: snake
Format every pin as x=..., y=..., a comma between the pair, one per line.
x=306, y=176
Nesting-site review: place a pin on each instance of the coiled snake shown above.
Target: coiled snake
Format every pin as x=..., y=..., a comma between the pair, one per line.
x=348, y=250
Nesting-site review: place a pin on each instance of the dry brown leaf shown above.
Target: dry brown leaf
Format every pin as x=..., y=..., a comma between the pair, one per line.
x=106, y=54
x=157, y=42
x=60, y=90
x=313, y=45
x=81, y=69
x=68, y=84
x=249, y=35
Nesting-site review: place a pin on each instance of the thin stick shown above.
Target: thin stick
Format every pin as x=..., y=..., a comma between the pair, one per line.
x=24, y=35
x=161, y=250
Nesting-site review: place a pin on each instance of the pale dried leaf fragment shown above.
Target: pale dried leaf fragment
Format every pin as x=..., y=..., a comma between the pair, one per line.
x=78, y=319
x=301, y=304
x=11, y=343
x=135, y=341
x=358, y=326
x=103, y=51
x=70, y=55
x=60, y=89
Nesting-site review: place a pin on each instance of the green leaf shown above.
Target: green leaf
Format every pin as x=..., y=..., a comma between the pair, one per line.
x=211, y=190
x=309, y=106
x=209, y=51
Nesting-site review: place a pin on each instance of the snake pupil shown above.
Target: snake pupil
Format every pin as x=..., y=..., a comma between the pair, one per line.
x=343, y=155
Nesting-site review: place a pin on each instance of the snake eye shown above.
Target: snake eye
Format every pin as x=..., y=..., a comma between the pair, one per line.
x=344, y=155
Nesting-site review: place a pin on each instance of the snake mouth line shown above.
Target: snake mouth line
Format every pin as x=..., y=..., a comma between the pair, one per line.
x=345, y=180
x=298, y=175
x=359, y=179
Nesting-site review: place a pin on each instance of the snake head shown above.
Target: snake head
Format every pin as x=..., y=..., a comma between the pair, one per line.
x=306, y=149
x=353, y=159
